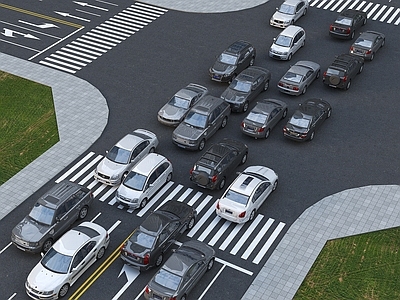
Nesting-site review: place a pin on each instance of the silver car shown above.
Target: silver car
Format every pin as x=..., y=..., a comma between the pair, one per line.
x=367, y=44
x=172, y=113
x=263, y=117
x=124, y=155
x=299, y=77
x=287, y=43
x=288, y=13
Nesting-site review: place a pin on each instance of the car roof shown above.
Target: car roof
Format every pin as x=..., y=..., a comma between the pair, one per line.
x=370, y=35
x=148, y=163
x=60, y=192
x=187, y=93
x=342, y=61
x=293, y=2
x=301, y=70
x=350, y=13
x=207, y=104
x=250, y=73
x=156, y=221
x=311, y=106
x=129, y=141
x=217, y=152
x=237, y=47
x=267, y=105
x=249, y=180
x=291, y=30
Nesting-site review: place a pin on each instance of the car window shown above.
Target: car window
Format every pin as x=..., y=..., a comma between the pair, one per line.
x=61, y=211
x=260, y=190
x=42, y=214
x=70, y=203
x=172, y=227
x=283, y=41
x=152, y=178
x=161, y=169
x=135, y=181
x=197, y=120
x=167, y=279
x=139, y=149
x=193, y=269
x=81, y=254
x=119, y=155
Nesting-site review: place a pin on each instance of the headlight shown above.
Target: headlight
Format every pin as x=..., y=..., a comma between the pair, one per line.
x=48, y=292
x=287, y=21
x=33, y=244
x=115, y=176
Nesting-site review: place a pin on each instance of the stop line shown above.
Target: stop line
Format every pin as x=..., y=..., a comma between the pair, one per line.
x=250, y=241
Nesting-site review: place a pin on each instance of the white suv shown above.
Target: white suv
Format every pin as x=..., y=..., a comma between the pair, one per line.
x=291, y=39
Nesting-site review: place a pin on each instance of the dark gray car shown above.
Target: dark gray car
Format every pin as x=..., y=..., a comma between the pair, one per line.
x=181, y=272
x=51, y=216
x=367, y=44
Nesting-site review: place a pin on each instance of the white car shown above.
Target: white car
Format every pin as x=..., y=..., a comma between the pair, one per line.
x=124, y=155
x=288, y=13
x=246, y=194
x=66, y=261
x=291, y=39
x=144, y=180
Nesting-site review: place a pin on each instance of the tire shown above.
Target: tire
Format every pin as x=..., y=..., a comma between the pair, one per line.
x=83, y=212
x=252, y=215
x=233, y=77
x=222, y=183
x=266, y=86
x=275, y=185
x=143, y=203
x=63, y=291
x=123, y=176
x=328, y=115
x=318, y=74
x=244, y=159
x=210, y=264
x=383, y=43
x=245, y=106
x=361, y=69
x=183, y=297
x=312, y=136
x=202, y=144
x=290, y=56
x=159, y=260
x=304, y=90
x=169, y=177
x=365, y=22
x=190, y=224
x=224, y=122
x=352, y=35
x=152, y=150
x=284, y=113
x=305, y=12
x=252, y=61
x=304, y=43
x=267, y=133
x=347, y=85
x=372, y=56
x=100, y=253
x=47, y=245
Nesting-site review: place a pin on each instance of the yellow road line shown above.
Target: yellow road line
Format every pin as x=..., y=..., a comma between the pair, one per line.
x=24, y=11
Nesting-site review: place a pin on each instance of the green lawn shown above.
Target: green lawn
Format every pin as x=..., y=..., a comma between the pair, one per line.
x=364, y=266
x=28, y=125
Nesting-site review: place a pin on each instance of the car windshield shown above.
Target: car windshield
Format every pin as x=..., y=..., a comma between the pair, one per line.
x=287, y=9
x=300, y=120
x=167, y=279
x=331, y=71
x=42, y=214
x=135, y=181
x=344, y=21
x=283, y=41
x=257, y=117
x=241, y=86
x=119, y=155
x=143, y=239
x=293, y=77
x=228, y=59
x=237, y=197
x=200, y=168
x=195, y=119
x=363, y=43
x=56, y=262
x=179, y=102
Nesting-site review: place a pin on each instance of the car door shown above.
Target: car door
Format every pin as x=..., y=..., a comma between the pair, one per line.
x=160, y=178
x=261, y=194
x=168, y=236
x=257, y=87
x=192, y=276
x=151, y=185
x=82, y=260
x=299, y=11
x=273, y=118
x=138, y=153
x=73, y=207
x=62, y=221
x=214, y=122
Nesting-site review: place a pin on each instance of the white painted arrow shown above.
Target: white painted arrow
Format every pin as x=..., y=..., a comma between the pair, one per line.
x=42, y=26
x=71, y=16
x=88, y=5
x=10, y=33
x=131, y=274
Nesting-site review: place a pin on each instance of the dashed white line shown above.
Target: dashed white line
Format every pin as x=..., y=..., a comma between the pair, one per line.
x=246, y=234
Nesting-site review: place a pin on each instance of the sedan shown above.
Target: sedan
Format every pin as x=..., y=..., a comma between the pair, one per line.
x=263, y=117
x=150, y=241
x=288, y=13
x=124, y=155
x=66, y=261
x=181, y=272
x=299, y=77
x=347, y=23
x=175, y=110
x=246, y=87
x=246, y=194
x=368, y=43
x=308, y=118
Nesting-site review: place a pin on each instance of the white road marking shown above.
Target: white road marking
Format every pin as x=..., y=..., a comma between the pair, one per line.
x=212, y=281
x=231, y=236
x=386, y=14
x=195, y=198
x=97, y=45
x=94, y=219
x=56, y=66
x=99, y=189
x=269, y=242
x=77, y=52
x=209, y=228
x=56, y=56
x=154, y=199
x=120, y=34
x=373, y=10
x=184, y=195
x=87, y=167
x=219, y=233
x=114, y=226
x=62, y=63
x=108, y=193
x=204, y=203
x=257, y=239
x=336, y=5
x=96, y=39
x=86, y=48
x=103, y=36
x=393, y=16
x=5, y=248
x=246, y=234
x=73, y=56
x=376, y=16
x=353, y=4
x=201, y=221
x=344, y=6
x=240, y=269
x=76, y=166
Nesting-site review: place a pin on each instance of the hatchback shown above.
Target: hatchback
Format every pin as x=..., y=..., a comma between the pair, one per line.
x=291, y=39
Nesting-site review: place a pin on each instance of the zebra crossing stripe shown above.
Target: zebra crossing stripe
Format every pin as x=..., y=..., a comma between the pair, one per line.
x=203, y=204
x=160, y=9
x=386, y=14
x=361, y=5
x=219, y=233
x=231, y=236
x=208, y=229
x=353, y=4
x=269, y=242
x=196, y=227
x=87, y=178
x=393, y=16
x=379, y=12
x=170, y=196
x=184, y=195
x=195, y=198
x=100, y=189
x=76, y=166
x=336, y=5
x=344, y=6
x=372, y=10
x=87, y=167
x=154, y=199
x=246, y=234
x=258, y=238
x=108, y=193
x=329, y=4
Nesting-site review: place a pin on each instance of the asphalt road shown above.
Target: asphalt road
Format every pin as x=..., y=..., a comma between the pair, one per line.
x=357, y=146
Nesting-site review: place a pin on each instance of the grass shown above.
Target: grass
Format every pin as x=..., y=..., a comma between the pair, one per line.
x=365, y=266
x=28, y=125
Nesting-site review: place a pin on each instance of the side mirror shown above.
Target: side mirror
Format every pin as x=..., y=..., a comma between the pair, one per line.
x=106, y=151
x=57, y=219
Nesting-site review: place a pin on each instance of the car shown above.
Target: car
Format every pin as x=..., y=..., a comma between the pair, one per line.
x=347, y=22
x=367, y=44
x=342, y=71
x=51, y=216
x=307, y=119
x=299, y=77
x=181, y=272
x=233, y=60
x=246, y=87
x=218, y=162
x=66, y=261
x=112, y=169
x=201, y=123
x=242, y=199
x=144, y=180
x=150, y=241
x=287, y=43
x=263, y=118
x=288, y=13
x=172, y=113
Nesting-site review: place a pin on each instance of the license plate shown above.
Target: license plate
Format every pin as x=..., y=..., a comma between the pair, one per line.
x=228, y=211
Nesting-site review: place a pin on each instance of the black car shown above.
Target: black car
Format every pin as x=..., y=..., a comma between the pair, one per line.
x=217, y=163
x=347, y=23
x=310, y=115
x=245, y=87
x=150, y=241
x=342, y=71
x=232, y=61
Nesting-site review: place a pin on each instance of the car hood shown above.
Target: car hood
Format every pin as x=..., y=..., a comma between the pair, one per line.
x=275, y=47
x=220, y=67
x=42, y=279
x=232, y=96
x=29, y=230
x=172, y=112
x=188, y=132
x=128, y=193
x=109, y=168
x=282, y=17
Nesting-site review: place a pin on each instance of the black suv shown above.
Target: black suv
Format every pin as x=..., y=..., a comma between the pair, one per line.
x=343, y=69
x=347, y=23
x=218, y=162
x=232, y=61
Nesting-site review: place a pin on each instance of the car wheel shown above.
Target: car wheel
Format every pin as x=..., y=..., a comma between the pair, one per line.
x=383, y=43
x=318, y=74
x=252, y=61
x=169, y=177
x=244, y=159
x=190, y=224
x=252, y=215
x=100, y=253
x=290, y=56
x=143, y=203
x=63, y=291
x=361, y=69
x=47, y=245
x=152, y=150
x=266, y=85
x=284, y=113
x=232, y=78
x=224, y=122
x=372, y=56
x=275, y=185
x=202, y=144
x=305, y=12
x=312, y=135
x=159, y=260
x=245, y=106
x=210, y=264
x=328, y=115
x=267, y=133
x=365, y=21
x=292, y=22
x=221, y=183
x=304, y=90
x=348, y=85
x=123, y=176
x=352, y=35
x=83, y=212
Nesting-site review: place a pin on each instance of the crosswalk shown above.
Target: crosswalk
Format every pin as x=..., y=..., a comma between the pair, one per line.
x=375, y=11
x=250, y=241
x=104, y=37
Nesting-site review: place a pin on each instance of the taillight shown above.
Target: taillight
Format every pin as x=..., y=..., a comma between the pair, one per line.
x=218, y=205
x=368, y=52
x=172, y=298
x=214, y=178
x=324, y=74
x=295, y=88
x=146, y=259
x=241, y=215
x=191, y=171
x=242, y=124
x=122, y=247
x=344, y=78
x=348, y=30
x=331, y=27
x=284, y=129
x=280, y=83
x=351, y=48
x=261, y=129
x=146, y=290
